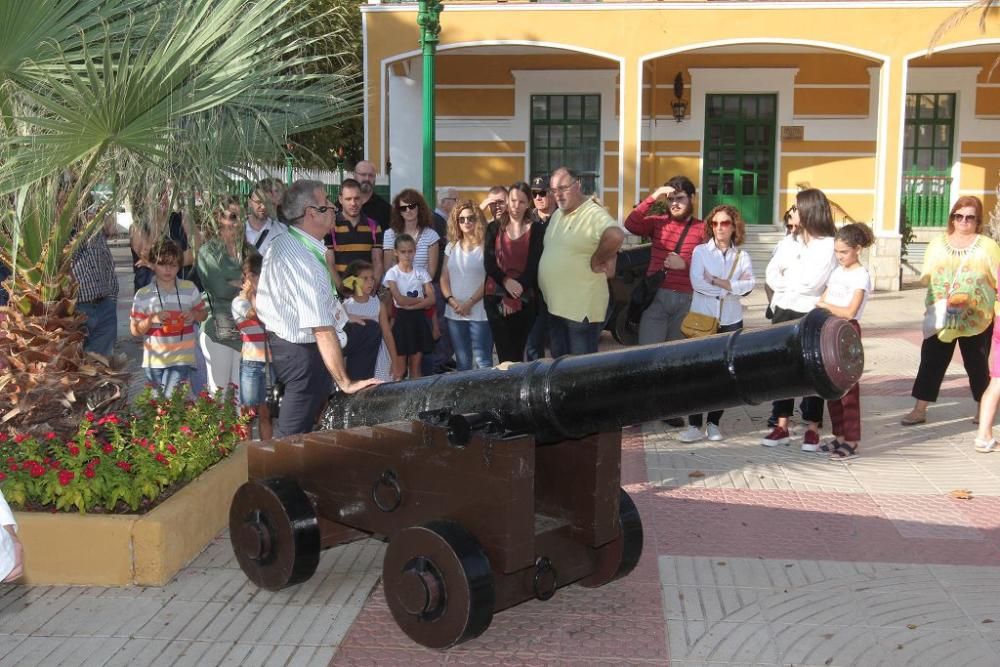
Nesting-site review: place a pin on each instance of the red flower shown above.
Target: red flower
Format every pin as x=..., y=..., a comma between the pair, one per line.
x=160, y=458
x=109, y=419
x=124, y=465
x=107, y=448
x=90, y=416
x=37, y=470
x=171, y=449
x=74, y=450
x=54, y=465
x=185, y=429
x=88, y=473
x=65, y=477
x=3, y=437
x=11, y=459
x=20, y=437
x=51, y=435
x=2, y=476
x=13, y=467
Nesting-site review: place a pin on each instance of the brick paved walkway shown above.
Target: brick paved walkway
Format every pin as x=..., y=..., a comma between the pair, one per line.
x=752, y=556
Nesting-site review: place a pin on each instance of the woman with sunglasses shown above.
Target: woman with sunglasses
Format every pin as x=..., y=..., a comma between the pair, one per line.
x=463, y=279
x=219, y=263
x=411, y=215
x=512, y=251
x=721, y=275
x=960, y=271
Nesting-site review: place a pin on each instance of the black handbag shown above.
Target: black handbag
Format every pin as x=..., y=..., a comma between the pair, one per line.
x=276, y=390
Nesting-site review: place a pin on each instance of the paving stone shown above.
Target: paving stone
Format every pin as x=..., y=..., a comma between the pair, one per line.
x=817, y=645
x=170, y=621
x=922, y=646
x=31, y=651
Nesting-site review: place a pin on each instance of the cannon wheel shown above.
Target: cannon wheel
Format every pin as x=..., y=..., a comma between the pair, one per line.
x=275, y=532
x=438, y=584
x=620, y=556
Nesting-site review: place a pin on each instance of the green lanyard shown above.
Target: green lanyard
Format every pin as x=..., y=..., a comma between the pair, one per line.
x=300, y=237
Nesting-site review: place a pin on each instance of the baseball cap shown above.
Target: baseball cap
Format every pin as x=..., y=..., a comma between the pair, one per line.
x=539, y=183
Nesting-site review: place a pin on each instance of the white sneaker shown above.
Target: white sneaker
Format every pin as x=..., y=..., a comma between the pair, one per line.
x=714, y=434
x=691, y=434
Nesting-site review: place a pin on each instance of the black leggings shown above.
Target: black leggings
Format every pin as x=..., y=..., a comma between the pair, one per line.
x=510, y=333
x=935, y=357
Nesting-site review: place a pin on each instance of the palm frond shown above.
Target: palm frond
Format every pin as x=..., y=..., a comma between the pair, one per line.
x=982, y=7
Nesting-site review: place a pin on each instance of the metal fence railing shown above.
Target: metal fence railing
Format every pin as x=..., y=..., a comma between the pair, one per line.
x=926, y=197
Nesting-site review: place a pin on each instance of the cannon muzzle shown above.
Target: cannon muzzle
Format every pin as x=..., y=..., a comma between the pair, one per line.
x=572, y=397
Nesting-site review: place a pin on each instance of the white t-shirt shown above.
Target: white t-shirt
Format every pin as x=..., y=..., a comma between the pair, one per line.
x=7, y=558
x=425, y=239
x=467, y=274
x=842, y=285
x=409, y=284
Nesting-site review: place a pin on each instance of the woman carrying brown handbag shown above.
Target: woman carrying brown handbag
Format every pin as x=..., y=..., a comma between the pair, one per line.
x=721, y=275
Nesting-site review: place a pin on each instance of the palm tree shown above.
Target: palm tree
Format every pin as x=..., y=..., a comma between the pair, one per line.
x=129, y=94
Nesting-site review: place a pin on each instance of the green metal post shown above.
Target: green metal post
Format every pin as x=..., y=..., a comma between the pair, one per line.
x=288, y=168
x=429, y=20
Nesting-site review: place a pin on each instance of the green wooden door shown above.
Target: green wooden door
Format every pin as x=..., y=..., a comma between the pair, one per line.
x=928, y=147
x=739, y=155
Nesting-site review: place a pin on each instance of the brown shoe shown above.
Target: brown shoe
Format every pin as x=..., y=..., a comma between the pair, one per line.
x=914, y=418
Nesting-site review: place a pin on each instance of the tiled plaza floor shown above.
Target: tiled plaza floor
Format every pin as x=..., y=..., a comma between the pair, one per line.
x=753, y=556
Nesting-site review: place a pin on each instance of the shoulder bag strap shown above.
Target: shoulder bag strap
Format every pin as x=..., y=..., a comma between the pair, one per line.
x=260, y=239
x=732, y=272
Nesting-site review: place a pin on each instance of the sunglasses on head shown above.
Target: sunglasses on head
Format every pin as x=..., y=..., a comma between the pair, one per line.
x=407, y=207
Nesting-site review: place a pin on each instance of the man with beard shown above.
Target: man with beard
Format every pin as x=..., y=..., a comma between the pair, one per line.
x=354, y=235
x=372, y=205
x=675, y=235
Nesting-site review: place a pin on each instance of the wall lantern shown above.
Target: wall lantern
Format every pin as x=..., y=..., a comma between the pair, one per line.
x=679, y=105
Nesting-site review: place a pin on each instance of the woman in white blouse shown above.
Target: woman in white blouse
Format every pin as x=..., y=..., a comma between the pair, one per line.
x=798, y=274
x=721, y=274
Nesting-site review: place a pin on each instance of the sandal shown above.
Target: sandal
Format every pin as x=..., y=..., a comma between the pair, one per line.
x=844, y=452
x=985, y=446
x=914, y=418
x=830, y=446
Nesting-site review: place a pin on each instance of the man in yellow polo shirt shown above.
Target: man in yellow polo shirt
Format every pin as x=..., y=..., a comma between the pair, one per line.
x=581, y=246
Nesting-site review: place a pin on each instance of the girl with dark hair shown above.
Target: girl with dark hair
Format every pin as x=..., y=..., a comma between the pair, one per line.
x=512, y=250
x=371, y=349
x=799, y=278
x=412, y=292
x=846, y=294
x=960, y=271
x=411, y=215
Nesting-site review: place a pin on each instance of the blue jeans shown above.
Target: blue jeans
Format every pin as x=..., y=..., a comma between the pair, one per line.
x=167, y=379
x=472, y=342
x=253, y=382
x=571, y=337
x=102, y=325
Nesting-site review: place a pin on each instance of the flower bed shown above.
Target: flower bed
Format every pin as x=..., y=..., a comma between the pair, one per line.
x=128, y=476
x=121, y=463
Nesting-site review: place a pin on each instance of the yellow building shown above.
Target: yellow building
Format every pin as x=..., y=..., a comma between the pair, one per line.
x=773, y=96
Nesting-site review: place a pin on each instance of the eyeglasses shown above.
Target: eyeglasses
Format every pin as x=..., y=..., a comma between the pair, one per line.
x=230, y=216
x=958, y=217
x=565, y=188
x=467, y=218
x=539, y=193
x=407, y=207
x=321, y=209
x=722, y=223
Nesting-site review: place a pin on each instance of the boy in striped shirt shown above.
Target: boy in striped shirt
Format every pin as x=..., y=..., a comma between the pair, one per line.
x=253, y=366
x=164, y=313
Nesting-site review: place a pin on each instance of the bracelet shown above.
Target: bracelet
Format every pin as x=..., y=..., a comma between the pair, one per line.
x=449, y=298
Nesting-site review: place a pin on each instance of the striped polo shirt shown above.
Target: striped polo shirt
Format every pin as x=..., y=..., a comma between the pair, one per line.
x=351, y=243
x=251, y=332
x=166, y=348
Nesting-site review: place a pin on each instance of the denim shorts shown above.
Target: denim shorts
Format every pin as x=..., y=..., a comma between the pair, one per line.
x=253, y=382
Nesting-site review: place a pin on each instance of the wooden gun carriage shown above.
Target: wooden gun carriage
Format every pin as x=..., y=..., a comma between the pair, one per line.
x=495, y=486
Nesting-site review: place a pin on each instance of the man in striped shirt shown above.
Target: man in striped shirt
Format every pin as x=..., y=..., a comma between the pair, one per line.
x=296, y=302
x=354, y=236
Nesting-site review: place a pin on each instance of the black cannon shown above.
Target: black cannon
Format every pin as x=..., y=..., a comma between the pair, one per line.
x=498, y=486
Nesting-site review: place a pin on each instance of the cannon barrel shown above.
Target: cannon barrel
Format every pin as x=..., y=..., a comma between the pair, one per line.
x=575, y=396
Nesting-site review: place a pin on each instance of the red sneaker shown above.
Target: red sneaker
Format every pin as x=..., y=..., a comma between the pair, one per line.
x=779, y=436
x=810, y=441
